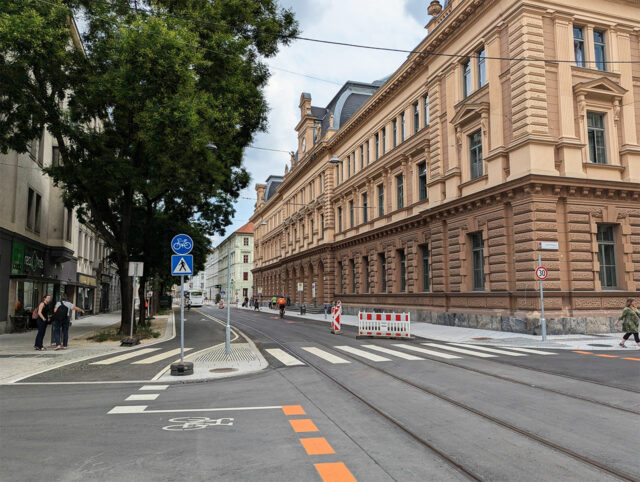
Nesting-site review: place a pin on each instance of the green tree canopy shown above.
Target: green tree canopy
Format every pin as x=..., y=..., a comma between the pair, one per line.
x=132, y=103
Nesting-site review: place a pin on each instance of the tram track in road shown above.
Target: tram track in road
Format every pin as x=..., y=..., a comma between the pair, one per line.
x=490, y=418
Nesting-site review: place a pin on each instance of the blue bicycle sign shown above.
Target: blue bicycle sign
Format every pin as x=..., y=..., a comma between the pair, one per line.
x=181, y=244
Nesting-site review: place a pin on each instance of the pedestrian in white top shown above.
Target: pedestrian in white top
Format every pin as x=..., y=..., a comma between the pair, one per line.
x=62, y=320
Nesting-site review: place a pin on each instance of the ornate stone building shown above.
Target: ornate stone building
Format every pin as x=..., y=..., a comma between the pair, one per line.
x=513, y=124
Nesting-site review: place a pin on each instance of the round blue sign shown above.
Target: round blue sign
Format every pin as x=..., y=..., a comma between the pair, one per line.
x=181, y=244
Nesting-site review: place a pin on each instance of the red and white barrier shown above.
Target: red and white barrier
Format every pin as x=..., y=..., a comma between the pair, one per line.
x=336, y=311
x=384, y=325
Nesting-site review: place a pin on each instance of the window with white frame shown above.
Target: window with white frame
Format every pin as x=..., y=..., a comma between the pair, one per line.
x=416, y=117
x=578, y=46
x=482, y=71
x=400, y=191
x=466, y=79
x=597, y=137
x=422, y=181
x=600, y=50
x=475, y=154
x=380, y=199
x=607, y=256
x=425, y=106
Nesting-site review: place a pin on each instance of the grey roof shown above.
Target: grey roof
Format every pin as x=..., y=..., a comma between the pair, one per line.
x=351, y=105
x=272, y=186
x=318, y=112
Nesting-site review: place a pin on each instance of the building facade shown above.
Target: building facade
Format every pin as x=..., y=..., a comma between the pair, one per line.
x=238, y=250
x=211, y=283
x=513, y=124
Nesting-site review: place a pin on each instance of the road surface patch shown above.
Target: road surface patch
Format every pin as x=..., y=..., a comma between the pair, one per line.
x=303, y=425
x=334, y=472
x=293, y=410
x=607, y=356
x=317, y=446
x=630, y=358
x=583, y=352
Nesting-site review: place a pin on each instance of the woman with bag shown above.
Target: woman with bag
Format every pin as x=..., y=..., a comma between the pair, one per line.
x=44, y=313
x=630, y=318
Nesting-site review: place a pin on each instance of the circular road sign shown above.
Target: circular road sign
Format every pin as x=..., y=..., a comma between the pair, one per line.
x=541, y=272
x=182, y=244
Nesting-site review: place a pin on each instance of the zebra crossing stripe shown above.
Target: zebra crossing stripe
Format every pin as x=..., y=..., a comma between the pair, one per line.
x=397, y=353
x=460, y=350
x=529, y=350
x=325, y=355
x=160, y=356
x=490, y=350
x=362, y=353
x=448, y=356
x=126, y=356
x=283, y=357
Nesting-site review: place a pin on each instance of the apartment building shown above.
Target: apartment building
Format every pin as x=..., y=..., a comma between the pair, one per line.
x=511, y=134
x=236, y=249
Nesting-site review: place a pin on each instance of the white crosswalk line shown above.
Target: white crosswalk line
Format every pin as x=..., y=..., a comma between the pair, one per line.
x=125, y=356
x=142, y=396
x=529, y=350
x=397, y=353
x=154, y=387
x=160, y=356
x=284, y=357
x=490, y=350
x=362, y=353
x=460, y=350
x=325, y=355
x=448, y=356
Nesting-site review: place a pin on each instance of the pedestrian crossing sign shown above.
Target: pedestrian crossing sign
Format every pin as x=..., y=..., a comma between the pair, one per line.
x=181, y=264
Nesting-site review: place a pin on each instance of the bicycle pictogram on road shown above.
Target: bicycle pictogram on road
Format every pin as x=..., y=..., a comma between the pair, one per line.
x=196, y=423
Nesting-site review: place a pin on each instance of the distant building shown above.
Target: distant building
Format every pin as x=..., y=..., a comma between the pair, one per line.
x=211, y=283
x=238, y=247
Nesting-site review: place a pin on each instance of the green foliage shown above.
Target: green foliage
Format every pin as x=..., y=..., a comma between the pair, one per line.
x=133, y=106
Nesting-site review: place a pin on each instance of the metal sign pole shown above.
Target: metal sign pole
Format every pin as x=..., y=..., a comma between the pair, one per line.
x=133, y=304
x=182, y=318
x=542, y=320
x=227, y=340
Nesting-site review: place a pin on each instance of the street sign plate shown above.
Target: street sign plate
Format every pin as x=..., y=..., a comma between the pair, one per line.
x=551, y=245
x=223, y=292
x=300, y=286
x=181, y=264
x=182, y=244
x=136, y=268
x=542, y=273
x=259, y=291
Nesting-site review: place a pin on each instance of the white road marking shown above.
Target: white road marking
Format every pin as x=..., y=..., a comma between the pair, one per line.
x=490, y=350
x=143, y=396
x=460, y=350
x=161, y=356
x=120, y=409
x=448, y=356
x=529, y=350
x=325, y=355
x=397, y=353
x=284, y=357
x=125, y=356
x=362, y=353
x=154, y=387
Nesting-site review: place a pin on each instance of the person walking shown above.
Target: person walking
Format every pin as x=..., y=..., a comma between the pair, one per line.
x=256, y=304
x=44, y=313
x=630, y=318
x=62, y=321
x=273, y=303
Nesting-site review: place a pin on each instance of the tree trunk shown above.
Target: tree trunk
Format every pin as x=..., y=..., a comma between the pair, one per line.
x=126, y=288
x=142, y=294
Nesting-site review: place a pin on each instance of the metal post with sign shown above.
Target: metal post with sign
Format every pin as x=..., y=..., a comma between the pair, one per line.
x=541, y=274
x=300, y=288
x=182, y=265
x=136, y=269
x=227, y=337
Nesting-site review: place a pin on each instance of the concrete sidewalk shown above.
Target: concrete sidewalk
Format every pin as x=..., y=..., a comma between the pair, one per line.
x=598, y=342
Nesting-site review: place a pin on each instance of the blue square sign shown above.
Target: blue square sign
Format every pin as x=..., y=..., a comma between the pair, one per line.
x=181, y=264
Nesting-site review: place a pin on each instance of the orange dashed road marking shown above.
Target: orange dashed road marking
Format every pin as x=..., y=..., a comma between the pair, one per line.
x=303, y=425
x=334, y=472
x=608, y=356
x=317, y=446
x=583, y=352
x=630, y=358
x=293, y=410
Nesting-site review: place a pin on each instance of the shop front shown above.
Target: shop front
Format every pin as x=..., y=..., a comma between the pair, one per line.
x=86, y=293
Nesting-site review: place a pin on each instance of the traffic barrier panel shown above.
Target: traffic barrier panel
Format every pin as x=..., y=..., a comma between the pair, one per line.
x=335, y=318
x=384, y=325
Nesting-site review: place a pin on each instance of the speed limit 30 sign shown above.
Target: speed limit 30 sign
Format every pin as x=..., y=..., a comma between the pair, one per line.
x=541, y=272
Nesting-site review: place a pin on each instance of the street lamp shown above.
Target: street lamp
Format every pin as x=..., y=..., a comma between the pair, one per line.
x=335, y=160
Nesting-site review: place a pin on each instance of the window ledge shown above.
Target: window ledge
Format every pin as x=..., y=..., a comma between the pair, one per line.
x=484, y=177
x=613, y=167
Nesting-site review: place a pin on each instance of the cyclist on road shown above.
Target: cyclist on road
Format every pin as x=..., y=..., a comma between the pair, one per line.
x=282, y=303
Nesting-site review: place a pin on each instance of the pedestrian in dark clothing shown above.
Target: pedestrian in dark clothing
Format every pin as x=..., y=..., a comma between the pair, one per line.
x=63, y=324
x=630, y=318
x=288, y=301
x=256, y=304
x=44, y=313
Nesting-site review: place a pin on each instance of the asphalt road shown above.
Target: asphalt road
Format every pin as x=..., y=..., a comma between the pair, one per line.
x=430, y=418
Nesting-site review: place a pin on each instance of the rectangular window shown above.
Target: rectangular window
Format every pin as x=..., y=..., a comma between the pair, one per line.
x=351, y=214
x=400, y=191
x=422, y=181
x=338, y=174
x=30, y=202
x=380, y=199
x=353, y=275
x=69, y=225
x=597, y=139
x=365, y=273
x=311, y=230
x=403, y=125
x=246, y=241
x=341, y=276
x=377, y=140
x=36, y=218
x=245, y=258
x=475, y=154
x=55, y=156
x=402, y=265
x=365, y=208
x=340, y=219
x=322, y=225
x=362, y=157
x=600, y=50
x=424, y=249
x=482, y=71
x=367, y=146
x=384, y=140
x=416, y=117
x=383, y=273
x=395, y=132
x=578, y=46
x=466, y=79
x=426, y=110
x=245, y=276
x=607, y=256
x=477, y=260
x=348, y=167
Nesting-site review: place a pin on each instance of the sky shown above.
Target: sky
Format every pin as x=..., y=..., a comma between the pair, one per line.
x=386, y=23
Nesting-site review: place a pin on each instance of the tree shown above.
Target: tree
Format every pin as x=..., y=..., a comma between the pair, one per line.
x=134, y=104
